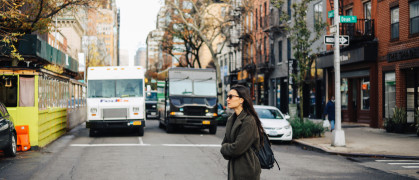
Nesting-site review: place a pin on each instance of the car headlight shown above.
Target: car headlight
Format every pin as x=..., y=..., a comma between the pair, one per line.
x=135, y=109
x=287, y=126
x=93, y=110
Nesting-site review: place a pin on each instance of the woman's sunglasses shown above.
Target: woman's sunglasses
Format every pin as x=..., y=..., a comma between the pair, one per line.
x=231, y=96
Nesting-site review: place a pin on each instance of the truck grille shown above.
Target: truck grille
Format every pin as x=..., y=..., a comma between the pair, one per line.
x=194, y=111
x=115, y=113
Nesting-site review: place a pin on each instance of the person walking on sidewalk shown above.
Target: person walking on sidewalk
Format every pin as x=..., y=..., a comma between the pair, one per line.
x=243, y=130
x=330, y=112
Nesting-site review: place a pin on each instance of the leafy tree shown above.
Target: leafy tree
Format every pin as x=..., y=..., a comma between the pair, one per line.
x=302, y=37
x=209, y=26
x=20, y=17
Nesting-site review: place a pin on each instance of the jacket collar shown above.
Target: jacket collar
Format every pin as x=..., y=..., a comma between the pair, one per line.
x=231, y=128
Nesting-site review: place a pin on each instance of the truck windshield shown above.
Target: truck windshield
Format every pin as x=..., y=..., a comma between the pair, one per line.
x=115, y=88
x=151, y=96
x=180, y=87
x=205, y=88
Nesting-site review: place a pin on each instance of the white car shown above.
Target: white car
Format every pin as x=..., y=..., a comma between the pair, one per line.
x=274, y=123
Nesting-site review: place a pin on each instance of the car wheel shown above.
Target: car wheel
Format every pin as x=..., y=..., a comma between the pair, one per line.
x=213, y=129
x=10, y=150
x=141, y=131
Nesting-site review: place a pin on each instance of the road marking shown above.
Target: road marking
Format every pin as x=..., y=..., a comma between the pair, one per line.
x=403, y=163
x=141, y=140
x=141, y=144
x=393, y=160
x=411, y=167
x=192, y=145
x=107, y=145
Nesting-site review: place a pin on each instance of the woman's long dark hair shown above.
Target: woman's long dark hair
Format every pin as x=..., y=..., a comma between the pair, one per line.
x=244, y=93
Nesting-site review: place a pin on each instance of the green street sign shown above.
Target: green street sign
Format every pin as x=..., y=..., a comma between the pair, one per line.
x=348, y=19
x=331, y=14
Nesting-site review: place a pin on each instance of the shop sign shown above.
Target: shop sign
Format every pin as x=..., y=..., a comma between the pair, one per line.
x=404, y=54
x=54, y=68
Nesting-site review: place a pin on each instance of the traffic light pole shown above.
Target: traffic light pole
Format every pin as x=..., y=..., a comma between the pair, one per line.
x=338, y=136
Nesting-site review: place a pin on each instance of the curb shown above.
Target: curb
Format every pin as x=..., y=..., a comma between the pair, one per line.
x=310, y=147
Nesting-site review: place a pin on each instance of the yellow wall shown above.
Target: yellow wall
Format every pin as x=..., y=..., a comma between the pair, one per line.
x=44, y=125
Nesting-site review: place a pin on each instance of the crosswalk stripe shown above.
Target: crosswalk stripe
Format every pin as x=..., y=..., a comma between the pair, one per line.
x=141, y=144
x=403, y=163
x=395, y=160
x=411, y=167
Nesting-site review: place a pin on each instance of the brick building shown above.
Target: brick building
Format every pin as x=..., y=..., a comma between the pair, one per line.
x=359, y=80
x=398, y=57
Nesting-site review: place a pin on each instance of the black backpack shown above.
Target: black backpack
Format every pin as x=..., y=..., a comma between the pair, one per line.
x=266, y=155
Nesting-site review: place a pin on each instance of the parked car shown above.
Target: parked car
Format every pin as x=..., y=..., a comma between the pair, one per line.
x=274, y=123
x=7, y=132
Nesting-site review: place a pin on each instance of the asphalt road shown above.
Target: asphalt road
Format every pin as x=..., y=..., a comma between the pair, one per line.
x=186, y=154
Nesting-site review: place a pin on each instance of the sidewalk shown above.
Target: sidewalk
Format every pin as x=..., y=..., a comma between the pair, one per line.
x=362, y=140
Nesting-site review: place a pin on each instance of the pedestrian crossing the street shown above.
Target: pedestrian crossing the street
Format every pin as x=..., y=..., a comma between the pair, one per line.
x=402, y=163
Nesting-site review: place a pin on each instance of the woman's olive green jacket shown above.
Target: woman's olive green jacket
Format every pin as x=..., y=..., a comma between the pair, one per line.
x=241, y=134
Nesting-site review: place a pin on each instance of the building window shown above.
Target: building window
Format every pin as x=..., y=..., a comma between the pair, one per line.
x=260, y=16
x=365, y=93
x=288, y=49
x=289, y=9
x=318, y=11
x=414, y=17
x=394, y=23
x=344, y=93
x=367, y=10
x=389, y=94
x=279, y=51
x=349, y=12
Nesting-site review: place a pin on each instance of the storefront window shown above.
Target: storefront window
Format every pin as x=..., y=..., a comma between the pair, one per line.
x=410, y=96
x=8, y=90
x=344, y=93
x=365, y=93
x=389, y=94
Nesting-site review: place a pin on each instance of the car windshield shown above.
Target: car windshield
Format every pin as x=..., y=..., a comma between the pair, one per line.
x=115, y=88
x=269, y=113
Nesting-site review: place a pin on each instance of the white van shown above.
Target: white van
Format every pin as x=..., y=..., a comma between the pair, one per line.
x=115, y=98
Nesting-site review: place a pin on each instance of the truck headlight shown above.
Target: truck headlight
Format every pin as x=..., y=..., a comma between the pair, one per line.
x=93, y=110
x=153, y=106
x=136, y=109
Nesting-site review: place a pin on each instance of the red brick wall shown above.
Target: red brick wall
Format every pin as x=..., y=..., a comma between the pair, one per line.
x=387, y=45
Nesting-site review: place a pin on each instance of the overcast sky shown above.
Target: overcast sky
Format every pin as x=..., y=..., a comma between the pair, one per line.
x=138, y=18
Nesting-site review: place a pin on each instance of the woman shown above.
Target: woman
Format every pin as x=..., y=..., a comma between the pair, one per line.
x=243, y=132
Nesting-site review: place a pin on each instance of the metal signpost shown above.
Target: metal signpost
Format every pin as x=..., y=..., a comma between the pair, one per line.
x=338, y=134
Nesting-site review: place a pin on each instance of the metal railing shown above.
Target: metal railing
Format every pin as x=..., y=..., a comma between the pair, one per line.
x=362, y=30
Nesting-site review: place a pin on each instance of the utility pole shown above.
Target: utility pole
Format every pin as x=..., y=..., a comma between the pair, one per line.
x=338, y=136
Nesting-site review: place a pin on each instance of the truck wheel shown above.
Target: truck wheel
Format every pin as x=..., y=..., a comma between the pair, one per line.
x=213, y=129
x=93, y=132
x=170, y=128
x=10, y=150
x=141, y=131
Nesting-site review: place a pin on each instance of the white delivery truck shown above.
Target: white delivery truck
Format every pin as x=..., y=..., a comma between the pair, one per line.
x=115, y=98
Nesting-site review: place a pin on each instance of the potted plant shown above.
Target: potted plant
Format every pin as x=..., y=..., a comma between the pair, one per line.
x=389, y=124
x=400, y=119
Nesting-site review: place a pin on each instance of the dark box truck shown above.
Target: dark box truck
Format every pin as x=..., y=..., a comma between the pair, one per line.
x=190, y=99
